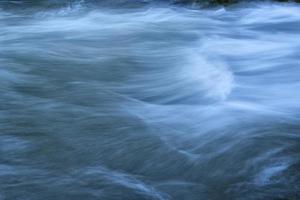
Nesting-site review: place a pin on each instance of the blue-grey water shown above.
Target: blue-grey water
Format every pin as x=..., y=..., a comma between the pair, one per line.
x=150, y=102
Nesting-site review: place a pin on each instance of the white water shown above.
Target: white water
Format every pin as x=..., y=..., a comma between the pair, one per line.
x=158, y=102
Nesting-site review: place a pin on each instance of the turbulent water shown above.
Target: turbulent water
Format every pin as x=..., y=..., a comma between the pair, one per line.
x=154, y=102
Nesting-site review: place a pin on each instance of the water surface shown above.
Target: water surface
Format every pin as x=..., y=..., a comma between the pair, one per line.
x=150, y=102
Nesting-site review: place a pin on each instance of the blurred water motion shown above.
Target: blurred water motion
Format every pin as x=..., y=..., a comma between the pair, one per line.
x=150, y=102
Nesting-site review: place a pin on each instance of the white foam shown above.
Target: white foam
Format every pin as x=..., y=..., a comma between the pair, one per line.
x=212, y=76
x=265, y=176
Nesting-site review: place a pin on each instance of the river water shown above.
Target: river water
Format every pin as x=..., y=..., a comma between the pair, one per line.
x=154, y=102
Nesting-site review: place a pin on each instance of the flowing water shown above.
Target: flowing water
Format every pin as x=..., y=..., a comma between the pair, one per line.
x=156, y=102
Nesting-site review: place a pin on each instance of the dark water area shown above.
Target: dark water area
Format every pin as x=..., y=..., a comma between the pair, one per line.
x=151, y=102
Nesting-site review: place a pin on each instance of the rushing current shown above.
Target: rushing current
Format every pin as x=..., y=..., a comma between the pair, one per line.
x=150, y=102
